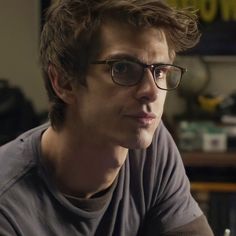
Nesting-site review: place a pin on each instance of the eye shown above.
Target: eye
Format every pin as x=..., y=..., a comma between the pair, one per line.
x=160, y=72
x=121, y=67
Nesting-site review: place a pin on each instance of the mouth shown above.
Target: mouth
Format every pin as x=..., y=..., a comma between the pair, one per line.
x=143, y=118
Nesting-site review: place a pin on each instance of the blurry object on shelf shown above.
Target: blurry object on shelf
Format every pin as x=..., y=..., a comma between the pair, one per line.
x=228, y=119
x=194, y=82
x=227, y=109
x=230, y=131
x=216, y=107
x=214, y=142
x=189, y=137
x=201, y=136
x=209, y=102
x=204, y=107
x=197, y=77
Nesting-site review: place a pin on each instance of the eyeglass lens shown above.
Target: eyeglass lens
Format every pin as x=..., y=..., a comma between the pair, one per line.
x=127, y=72
x=172, y=76
x=130, y=73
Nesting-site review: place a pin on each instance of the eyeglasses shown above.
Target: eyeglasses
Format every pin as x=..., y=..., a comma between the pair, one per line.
x=129, y=73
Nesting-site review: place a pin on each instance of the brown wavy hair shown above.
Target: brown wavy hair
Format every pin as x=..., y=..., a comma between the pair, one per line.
x=71, y=31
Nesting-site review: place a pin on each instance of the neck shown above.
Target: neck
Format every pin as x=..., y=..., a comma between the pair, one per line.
x=81, y=167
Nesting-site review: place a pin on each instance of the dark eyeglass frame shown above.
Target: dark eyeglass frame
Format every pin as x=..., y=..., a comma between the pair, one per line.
x=151, y=67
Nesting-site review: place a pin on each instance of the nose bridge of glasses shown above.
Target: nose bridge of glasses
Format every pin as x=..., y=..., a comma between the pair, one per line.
x=150, y=69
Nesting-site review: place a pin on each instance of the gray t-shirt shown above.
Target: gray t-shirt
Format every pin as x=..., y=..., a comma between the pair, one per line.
x=150, y=195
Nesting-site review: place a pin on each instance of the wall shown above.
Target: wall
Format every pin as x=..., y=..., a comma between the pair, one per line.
x=19, y=29
x=19, y=41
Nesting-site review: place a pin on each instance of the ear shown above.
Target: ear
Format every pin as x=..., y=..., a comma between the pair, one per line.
x=63, y=88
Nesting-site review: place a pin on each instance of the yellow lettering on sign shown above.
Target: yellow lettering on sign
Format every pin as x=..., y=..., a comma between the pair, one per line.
x=228, y=10
x=188, y=3
x=208, y=10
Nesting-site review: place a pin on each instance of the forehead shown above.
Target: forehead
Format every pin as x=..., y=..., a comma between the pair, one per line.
x=148, y=44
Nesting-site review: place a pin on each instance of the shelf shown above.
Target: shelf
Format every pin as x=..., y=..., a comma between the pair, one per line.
x=203, y=159
x=213, y=187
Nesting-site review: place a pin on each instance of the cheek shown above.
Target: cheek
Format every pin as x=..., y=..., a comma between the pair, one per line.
x=159, y=104
x=101, y=108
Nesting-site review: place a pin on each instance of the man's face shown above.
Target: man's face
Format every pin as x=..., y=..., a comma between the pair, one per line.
x=117, y=115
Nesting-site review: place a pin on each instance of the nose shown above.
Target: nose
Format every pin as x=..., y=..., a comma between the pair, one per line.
x=147, y=91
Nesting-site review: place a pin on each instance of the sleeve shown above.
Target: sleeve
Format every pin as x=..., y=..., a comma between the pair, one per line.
x=196, y=227
x=6, y=228
x=172, y=204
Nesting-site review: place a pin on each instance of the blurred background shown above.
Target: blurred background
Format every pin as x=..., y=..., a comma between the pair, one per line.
x=201, y=114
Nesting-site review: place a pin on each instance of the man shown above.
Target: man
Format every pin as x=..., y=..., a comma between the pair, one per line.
x=105, y=165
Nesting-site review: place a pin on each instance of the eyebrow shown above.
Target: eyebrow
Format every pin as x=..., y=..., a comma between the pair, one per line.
x=125, y=56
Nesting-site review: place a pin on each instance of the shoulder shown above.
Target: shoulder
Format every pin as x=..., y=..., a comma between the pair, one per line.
x=17, y=158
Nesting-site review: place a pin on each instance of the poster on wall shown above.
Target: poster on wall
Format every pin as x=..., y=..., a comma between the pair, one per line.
x=217, y=22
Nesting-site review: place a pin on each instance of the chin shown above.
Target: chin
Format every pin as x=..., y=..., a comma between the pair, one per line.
x=141, y=145
x=140, y=142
